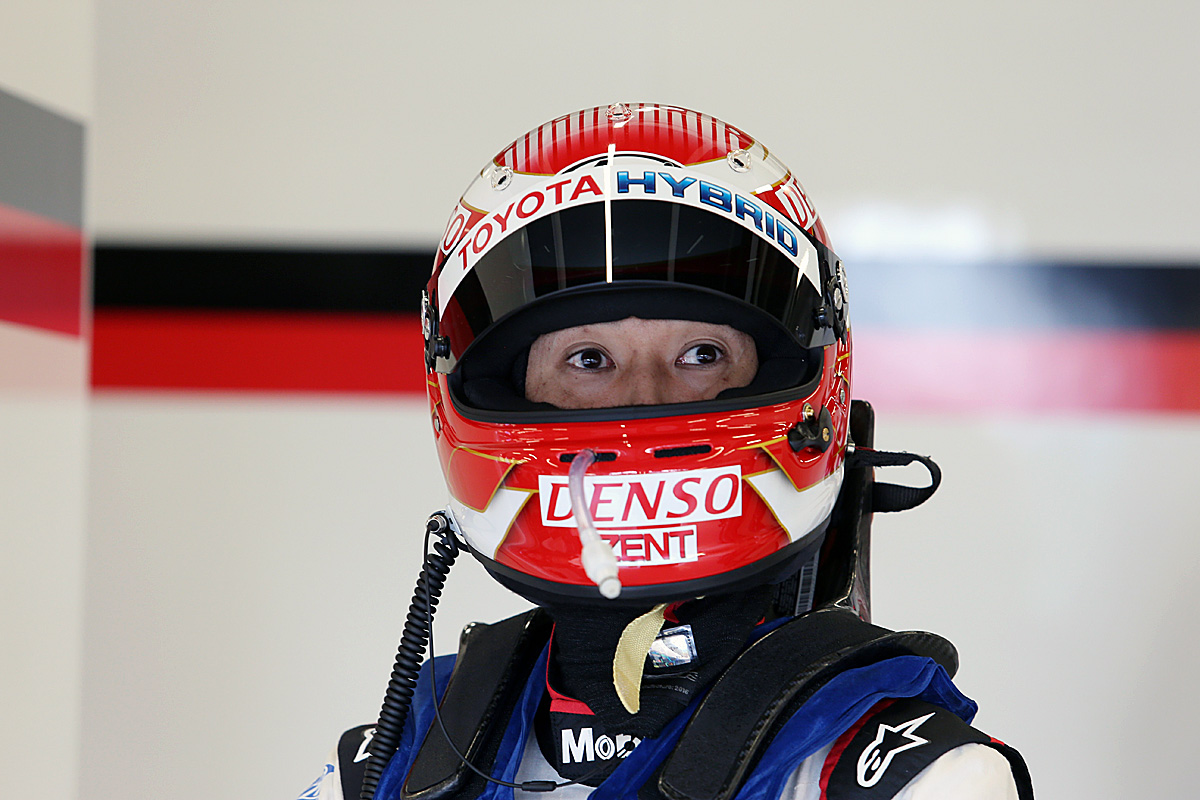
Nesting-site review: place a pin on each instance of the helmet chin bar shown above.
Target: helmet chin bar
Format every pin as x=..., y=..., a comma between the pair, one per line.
x=777, y=567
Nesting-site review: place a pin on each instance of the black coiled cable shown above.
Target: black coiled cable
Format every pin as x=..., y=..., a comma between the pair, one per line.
x=413, y=641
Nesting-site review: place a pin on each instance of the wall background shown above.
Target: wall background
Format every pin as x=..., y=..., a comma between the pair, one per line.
x=1065, y=126
x=250, y=554
x=46, y=71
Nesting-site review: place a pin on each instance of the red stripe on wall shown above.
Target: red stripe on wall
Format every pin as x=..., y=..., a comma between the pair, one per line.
x=41, y=272
x=903, y=370
x=257, y=351
x=1047, y=370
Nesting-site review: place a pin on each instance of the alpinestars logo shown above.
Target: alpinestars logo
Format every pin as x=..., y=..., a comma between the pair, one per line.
x=363, y=749
x=889, y=742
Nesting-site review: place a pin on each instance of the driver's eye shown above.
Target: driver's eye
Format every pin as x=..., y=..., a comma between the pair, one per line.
x=700, y=354
x=589, y=358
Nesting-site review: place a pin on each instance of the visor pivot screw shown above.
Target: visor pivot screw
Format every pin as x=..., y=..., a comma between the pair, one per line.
x=815, y=432
x=437, y=424
x=426, y=316
x=739, y=160
x=842, y=395
x=619, y=112
x=501, y=177
x=441, y=347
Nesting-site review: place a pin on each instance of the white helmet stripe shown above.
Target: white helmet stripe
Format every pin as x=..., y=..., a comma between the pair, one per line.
x=798, y=512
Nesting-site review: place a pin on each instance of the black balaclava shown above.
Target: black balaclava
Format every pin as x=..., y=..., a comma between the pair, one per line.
x=585, y=641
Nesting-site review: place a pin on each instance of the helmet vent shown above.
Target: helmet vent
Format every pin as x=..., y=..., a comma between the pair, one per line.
x=688, y=450
x=567, y=458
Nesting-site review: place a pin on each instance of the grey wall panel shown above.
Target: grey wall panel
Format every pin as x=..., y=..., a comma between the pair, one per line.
x=41, y=160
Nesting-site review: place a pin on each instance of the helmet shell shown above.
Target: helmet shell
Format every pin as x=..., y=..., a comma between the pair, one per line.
x=695, y=498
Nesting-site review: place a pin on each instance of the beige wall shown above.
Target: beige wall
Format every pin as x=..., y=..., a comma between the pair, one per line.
x=252, y=560
x=48, y=53
x=45, y=59
x=249, y=560
x=1060, y=128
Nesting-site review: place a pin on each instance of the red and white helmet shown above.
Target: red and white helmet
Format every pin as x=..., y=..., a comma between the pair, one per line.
x=655, y=212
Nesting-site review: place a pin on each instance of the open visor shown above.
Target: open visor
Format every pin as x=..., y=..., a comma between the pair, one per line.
x=678, y=247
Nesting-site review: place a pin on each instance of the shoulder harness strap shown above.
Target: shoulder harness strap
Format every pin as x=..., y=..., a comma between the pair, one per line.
x=352, y=758
x=493, y=664
x=893, y=742
x=764, y=686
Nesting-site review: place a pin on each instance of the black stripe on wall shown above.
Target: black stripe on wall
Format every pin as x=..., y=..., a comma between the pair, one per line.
x=41, y=161
x=260, y=278
x=1001, y=295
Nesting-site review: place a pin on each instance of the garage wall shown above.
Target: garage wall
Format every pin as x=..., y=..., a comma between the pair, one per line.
x=252, y=545
x=45, y=103
x=1058, y=128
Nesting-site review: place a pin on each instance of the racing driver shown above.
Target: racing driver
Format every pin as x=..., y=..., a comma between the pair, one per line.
x=639, y=362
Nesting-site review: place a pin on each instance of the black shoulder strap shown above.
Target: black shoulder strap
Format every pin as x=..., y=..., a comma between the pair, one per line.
x=493, y=663
x=893, y=742
x=352, y=758
x=764, y=686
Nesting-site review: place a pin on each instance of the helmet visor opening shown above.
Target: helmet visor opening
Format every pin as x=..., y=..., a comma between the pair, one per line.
x=664, y=242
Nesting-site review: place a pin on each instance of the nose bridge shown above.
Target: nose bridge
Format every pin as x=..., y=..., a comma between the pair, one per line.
x=647, y=379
